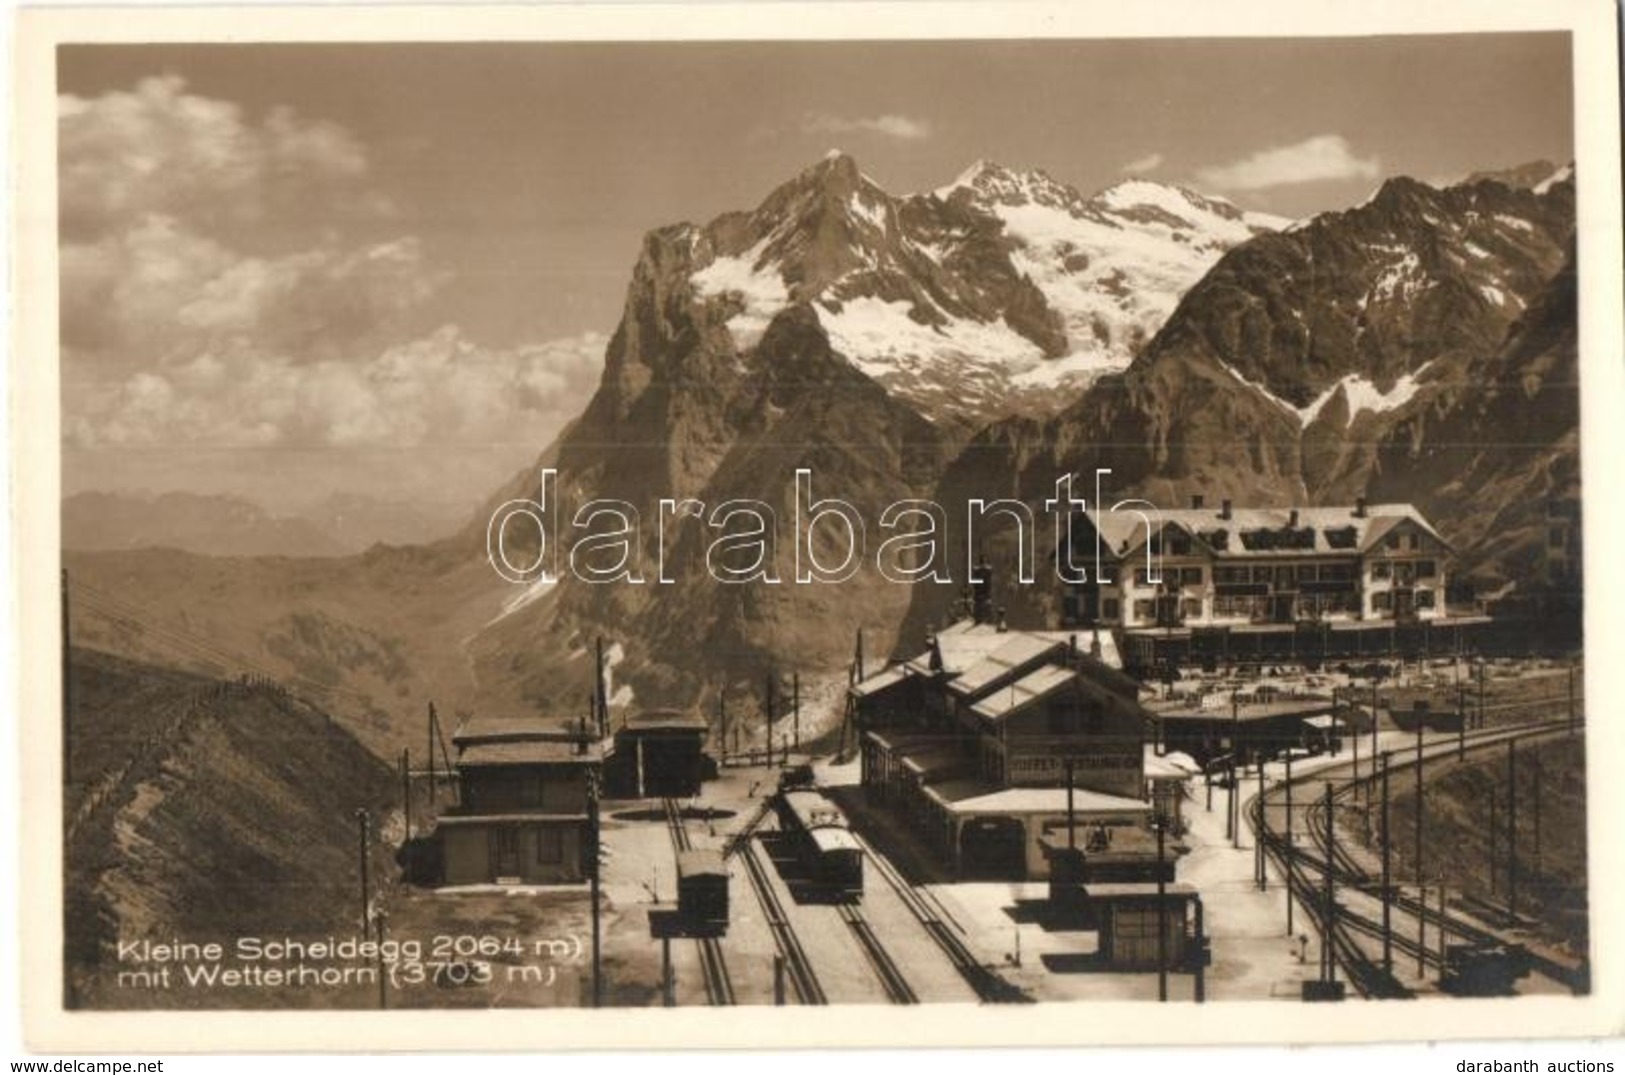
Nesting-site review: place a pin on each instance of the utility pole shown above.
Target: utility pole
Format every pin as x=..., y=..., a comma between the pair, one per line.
x=795, y=706
x=1387, y=879
x=1539, y=780
x=1162, y=913
x=1235, y=804
x=594, y=869
x=406, y=792
x=1494, y=835
x=1421, y=927
x=1461, y=717
x=1071, y=818
x=769, y=728
x=599, y=693
x=1512, y=827
x=722, y=720
x=378, y=919
x=1482, y=669
x=1290, y=850
x=364, y=823
x=1258, y=837
x=1373, y=716
x=434, y=787
x=1328, y=958
x=1418, y=818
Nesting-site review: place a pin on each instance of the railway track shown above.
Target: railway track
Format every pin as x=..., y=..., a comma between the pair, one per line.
x=719, y=987
x=898, y=991
x=802, y=977
x=1352, y=929
x=988, y=985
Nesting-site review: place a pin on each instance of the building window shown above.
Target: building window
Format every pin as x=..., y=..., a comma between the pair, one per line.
x=1190, y=576
x=1264, y=574
x=1144, y=609
x=1231, y=574
x=1308, y=573
x=1555, y=537
x=1193, y=608
x=1336, y=572
x=1426, y=569
x=1381, y=601
x=1392, y=541
x=1110, y=608
x=549, y=846
x=1379, y=570
x=1424, y=598
x=1142, y=577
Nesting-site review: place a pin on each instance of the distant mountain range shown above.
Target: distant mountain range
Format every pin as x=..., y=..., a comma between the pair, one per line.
x=216, y=525
x=975, y=341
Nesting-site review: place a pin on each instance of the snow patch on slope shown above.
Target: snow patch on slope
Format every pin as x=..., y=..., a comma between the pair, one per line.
x=759, y=287
x=1359, y=392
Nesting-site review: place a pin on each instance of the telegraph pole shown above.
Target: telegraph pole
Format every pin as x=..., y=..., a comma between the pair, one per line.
x=406, y=792
x=1328, y=959
x=595, y=868
x=434, y=787
x=1289, y=848
x=1387, y=879
x=1512, y=827
x=1162, y=914
x=364, y=823
x=1494, y=835
x=1258, y=837
x=722, y=720
x=795, y=706
x=1539, y=780
x=1071, y=818
x=1418, y=818
x=769, y=728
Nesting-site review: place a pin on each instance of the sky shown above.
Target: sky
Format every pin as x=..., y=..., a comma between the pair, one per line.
x=296, y=270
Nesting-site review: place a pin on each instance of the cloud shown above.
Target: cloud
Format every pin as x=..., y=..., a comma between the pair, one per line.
x=441, y=390
x=1313, y=160
x=903, y=128
x=1149, y=163
x=160, y=149
x=202, y=311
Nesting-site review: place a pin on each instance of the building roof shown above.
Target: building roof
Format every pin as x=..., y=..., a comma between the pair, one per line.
x=1292, y=707
x=513, y=729
x=886, y=677
x=663, y=720
x=1024, y=692
x=449, y=820
x=1259, y=532
x=527, y=752
x=1019, y=651
x=701, y=861
x=978, y=797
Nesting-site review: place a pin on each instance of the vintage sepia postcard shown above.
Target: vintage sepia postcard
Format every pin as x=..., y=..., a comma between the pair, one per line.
x=993, y=518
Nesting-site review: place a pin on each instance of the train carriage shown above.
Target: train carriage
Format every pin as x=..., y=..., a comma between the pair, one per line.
x=823, y=842
x=702, y=889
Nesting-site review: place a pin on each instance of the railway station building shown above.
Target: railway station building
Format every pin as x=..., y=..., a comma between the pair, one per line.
x=982, y=742
x=522, y=811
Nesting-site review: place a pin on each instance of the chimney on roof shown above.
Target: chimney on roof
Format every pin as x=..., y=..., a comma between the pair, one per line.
x=1292, y=519
x=1003, y=626
x=1359, y=507
x=982, y=591
x=1196, y=501
x=1094, y=645
x=1224, y=509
